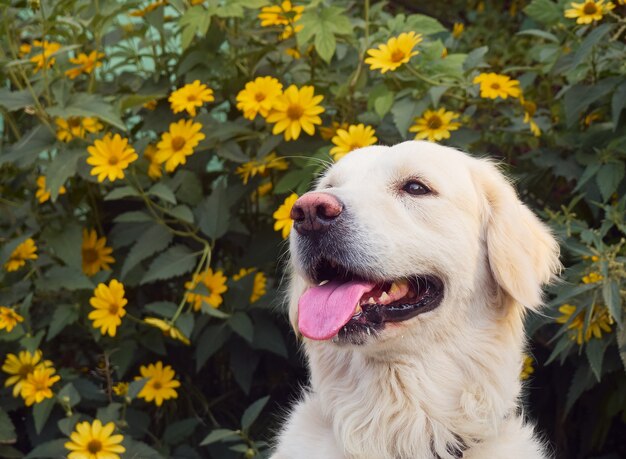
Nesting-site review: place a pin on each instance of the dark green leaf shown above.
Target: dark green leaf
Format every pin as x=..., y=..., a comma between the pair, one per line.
x=544, y=11
x=595, y=352
x=618, y=103
x=212, y=338
x=51, y=449
x=175, y=261
x=41, y=412
x=88, y=105
x=69, y=395
x=62, y=167
x=580, y=96
x=240, y=322
x=253, y=412
x=213, y=214
x=219, y=435
x=15, y=100
x=609, y=177
x=583, y=380
x=135, y=387
x=155, y=239
x=179, y=431
x=7, y=430
x=66, y=243
x=64, y=277
x=165, y=309
x=161, y=191
x=121, y=192
x=63, y=315
x=612, y=298
x=29, y=148
x=109, y=413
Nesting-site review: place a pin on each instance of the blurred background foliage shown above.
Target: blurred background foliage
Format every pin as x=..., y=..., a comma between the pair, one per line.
x=142, y=214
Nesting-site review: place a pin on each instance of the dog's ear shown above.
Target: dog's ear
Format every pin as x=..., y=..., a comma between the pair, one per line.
x=523, y=254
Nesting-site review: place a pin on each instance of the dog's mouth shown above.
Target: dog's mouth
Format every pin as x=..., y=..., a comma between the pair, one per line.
x=345, y=303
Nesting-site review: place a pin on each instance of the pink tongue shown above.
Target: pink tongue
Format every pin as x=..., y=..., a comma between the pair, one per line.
x=323, y=310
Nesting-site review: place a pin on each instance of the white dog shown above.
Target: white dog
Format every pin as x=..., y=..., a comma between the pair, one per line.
x=412, y=269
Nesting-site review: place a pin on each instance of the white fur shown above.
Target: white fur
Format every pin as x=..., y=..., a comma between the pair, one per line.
x=448, y=374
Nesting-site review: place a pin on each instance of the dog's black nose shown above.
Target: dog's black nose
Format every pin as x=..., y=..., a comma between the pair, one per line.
x=315, y=212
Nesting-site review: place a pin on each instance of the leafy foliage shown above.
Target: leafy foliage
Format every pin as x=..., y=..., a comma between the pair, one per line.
x=564, y=140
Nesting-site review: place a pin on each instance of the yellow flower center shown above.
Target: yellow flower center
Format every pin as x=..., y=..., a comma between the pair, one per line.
x=25, y=369
x=113, y=308
x=295, y=112
x=191, y=97
x=73, y=122
x=495, y=85
x=178, y=143
x=434, y=122
x=90, y=255
x=590, y=8
x=113, y=160
x=94, y=446
x=41, y=385
x=397, y=55
x=259, y=96
x=157, y=385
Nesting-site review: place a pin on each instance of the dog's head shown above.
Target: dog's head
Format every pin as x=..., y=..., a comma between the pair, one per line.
x=399, y=241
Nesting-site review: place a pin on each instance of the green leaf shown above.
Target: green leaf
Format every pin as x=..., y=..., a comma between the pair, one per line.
x=135, y=387
x=7, y=430
x=133, y=216
x=15, y=100
x=195, y=21
x=121, y=193
x=618, y=102
x=138, y=450
x=323, y=23
x=211, y=339
x=381, y=99
x=69, y=394
x=88, y=105
x=540, y=34
x=182, y=213
x=64, y=277
x=8, y=452
x=51, y=449
x=41, y=413
x=612, y=298
x=67, y=425
x=179, y=431
x=156, y=239
x=63, y=315
x=175, y=261
x=66, y=243
x=243, y=363
x=7, y=249
x=213, y=213
x=219, y=435
x=135, y=100
x=585, y=48
x=253, y=412
x=161, y=191
x=595, y=352
x=165, y=309
x=109, y=413
x=609, y=177
x=242, y=325
x=580, y=96
x=267, y=336
x=62, y=167
x=423, y=24
x=325, y=44
x=29, y=148
x=583, y=380
x=544, y=11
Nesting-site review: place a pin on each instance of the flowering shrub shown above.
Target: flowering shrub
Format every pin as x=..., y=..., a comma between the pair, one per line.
x=151, y=153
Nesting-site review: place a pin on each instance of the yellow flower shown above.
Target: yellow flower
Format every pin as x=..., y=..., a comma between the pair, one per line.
x=9, y=318
x=151, y=104
x=264, y=189
x=76, y=128
x=527, y=368
x=261, y=167
x=397, y=51
x=589, y=11
x=258, y=96
x=190, y=97
x=328, y=132
x=529, y=110
x=282, y=216
x=289, y=30
x=155, y=170
x=44, y=58
x=592, y=278
x=293, y=52
x=259, y=287
x=36, y=388
x=178, y=143
x=355, y=136
x=457, y=29
x=151, y=7
x=86, y=64
x=215, y=283
x=109, y=307
x=27, y=250
x=25, y=48
x=20, y=366
x=42, y=194
x=435, y=125
x=110, y=156
x=276, y=15
x=167, y=329
x=95, y=441
x=296, y=110
x=161, y=384
x=121, y=388
x=591, y=118
x=96, y=255
x=600, y=321
x=493, y=85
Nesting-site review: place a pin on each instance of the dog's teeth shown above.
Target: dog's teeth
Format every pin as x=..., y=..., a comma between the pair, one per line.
x=383, y=298
x=324, y=282
x=358, y=309
x=371, y=300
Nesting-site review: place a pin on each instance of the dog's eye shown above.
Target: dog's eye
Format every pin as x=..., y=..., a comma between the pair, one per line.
x=415, y=188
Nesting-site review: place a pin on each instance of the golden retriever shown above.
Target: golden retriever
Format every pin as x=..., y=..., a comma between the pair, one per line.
x=412, y=269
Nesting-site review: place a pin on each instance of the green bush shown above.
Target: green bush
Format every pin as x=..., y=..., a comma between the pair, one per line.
x=151, y=153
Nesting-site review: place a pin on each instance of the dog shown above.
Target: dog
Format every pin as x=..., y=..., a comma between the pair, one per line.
x=412, y=268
